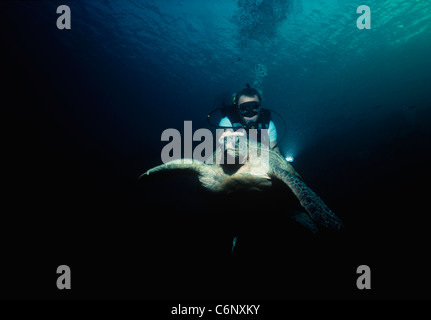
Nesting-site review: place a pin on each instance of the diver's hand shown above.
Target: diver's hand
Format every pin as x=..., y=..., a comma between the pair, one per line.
x=229, y=134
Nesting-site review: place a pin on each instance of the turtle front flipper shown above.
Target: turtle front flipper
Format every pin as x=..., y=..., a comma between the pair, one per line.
x=316, y=208
x=187, y=166
x=210, y=176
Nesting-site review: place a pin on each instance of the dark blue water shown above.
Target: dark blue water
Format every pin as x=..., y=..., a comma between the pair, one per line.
x=84, y=109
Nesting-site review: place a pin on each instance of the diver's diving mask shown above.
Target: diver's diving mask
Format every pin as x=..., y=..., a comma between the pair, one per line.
x=249, y=109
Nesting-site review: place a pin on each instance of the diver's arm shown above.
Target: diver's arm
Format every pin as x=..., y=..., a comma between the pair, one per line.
x=272, y=132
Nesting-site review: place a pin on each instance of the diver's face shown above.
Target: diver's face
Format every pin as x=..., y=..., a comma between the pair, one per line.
x=247, y=100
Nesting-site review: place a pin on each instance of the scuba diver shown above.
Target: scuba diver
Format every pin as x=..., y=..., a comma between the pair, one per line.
x=246, y=112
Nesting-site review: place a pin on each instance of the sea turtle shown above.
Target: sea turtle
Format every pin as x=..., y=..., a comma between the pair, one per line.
x=255, y=168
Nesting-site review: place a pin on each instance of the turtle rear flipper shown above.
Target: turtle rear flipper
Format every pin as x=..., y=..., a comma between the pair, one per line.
x=316, y=208
x=305, y=220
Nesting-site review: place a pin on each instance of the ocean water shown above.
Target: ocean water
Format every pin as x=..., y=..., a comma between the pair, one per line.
x=84, y=110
